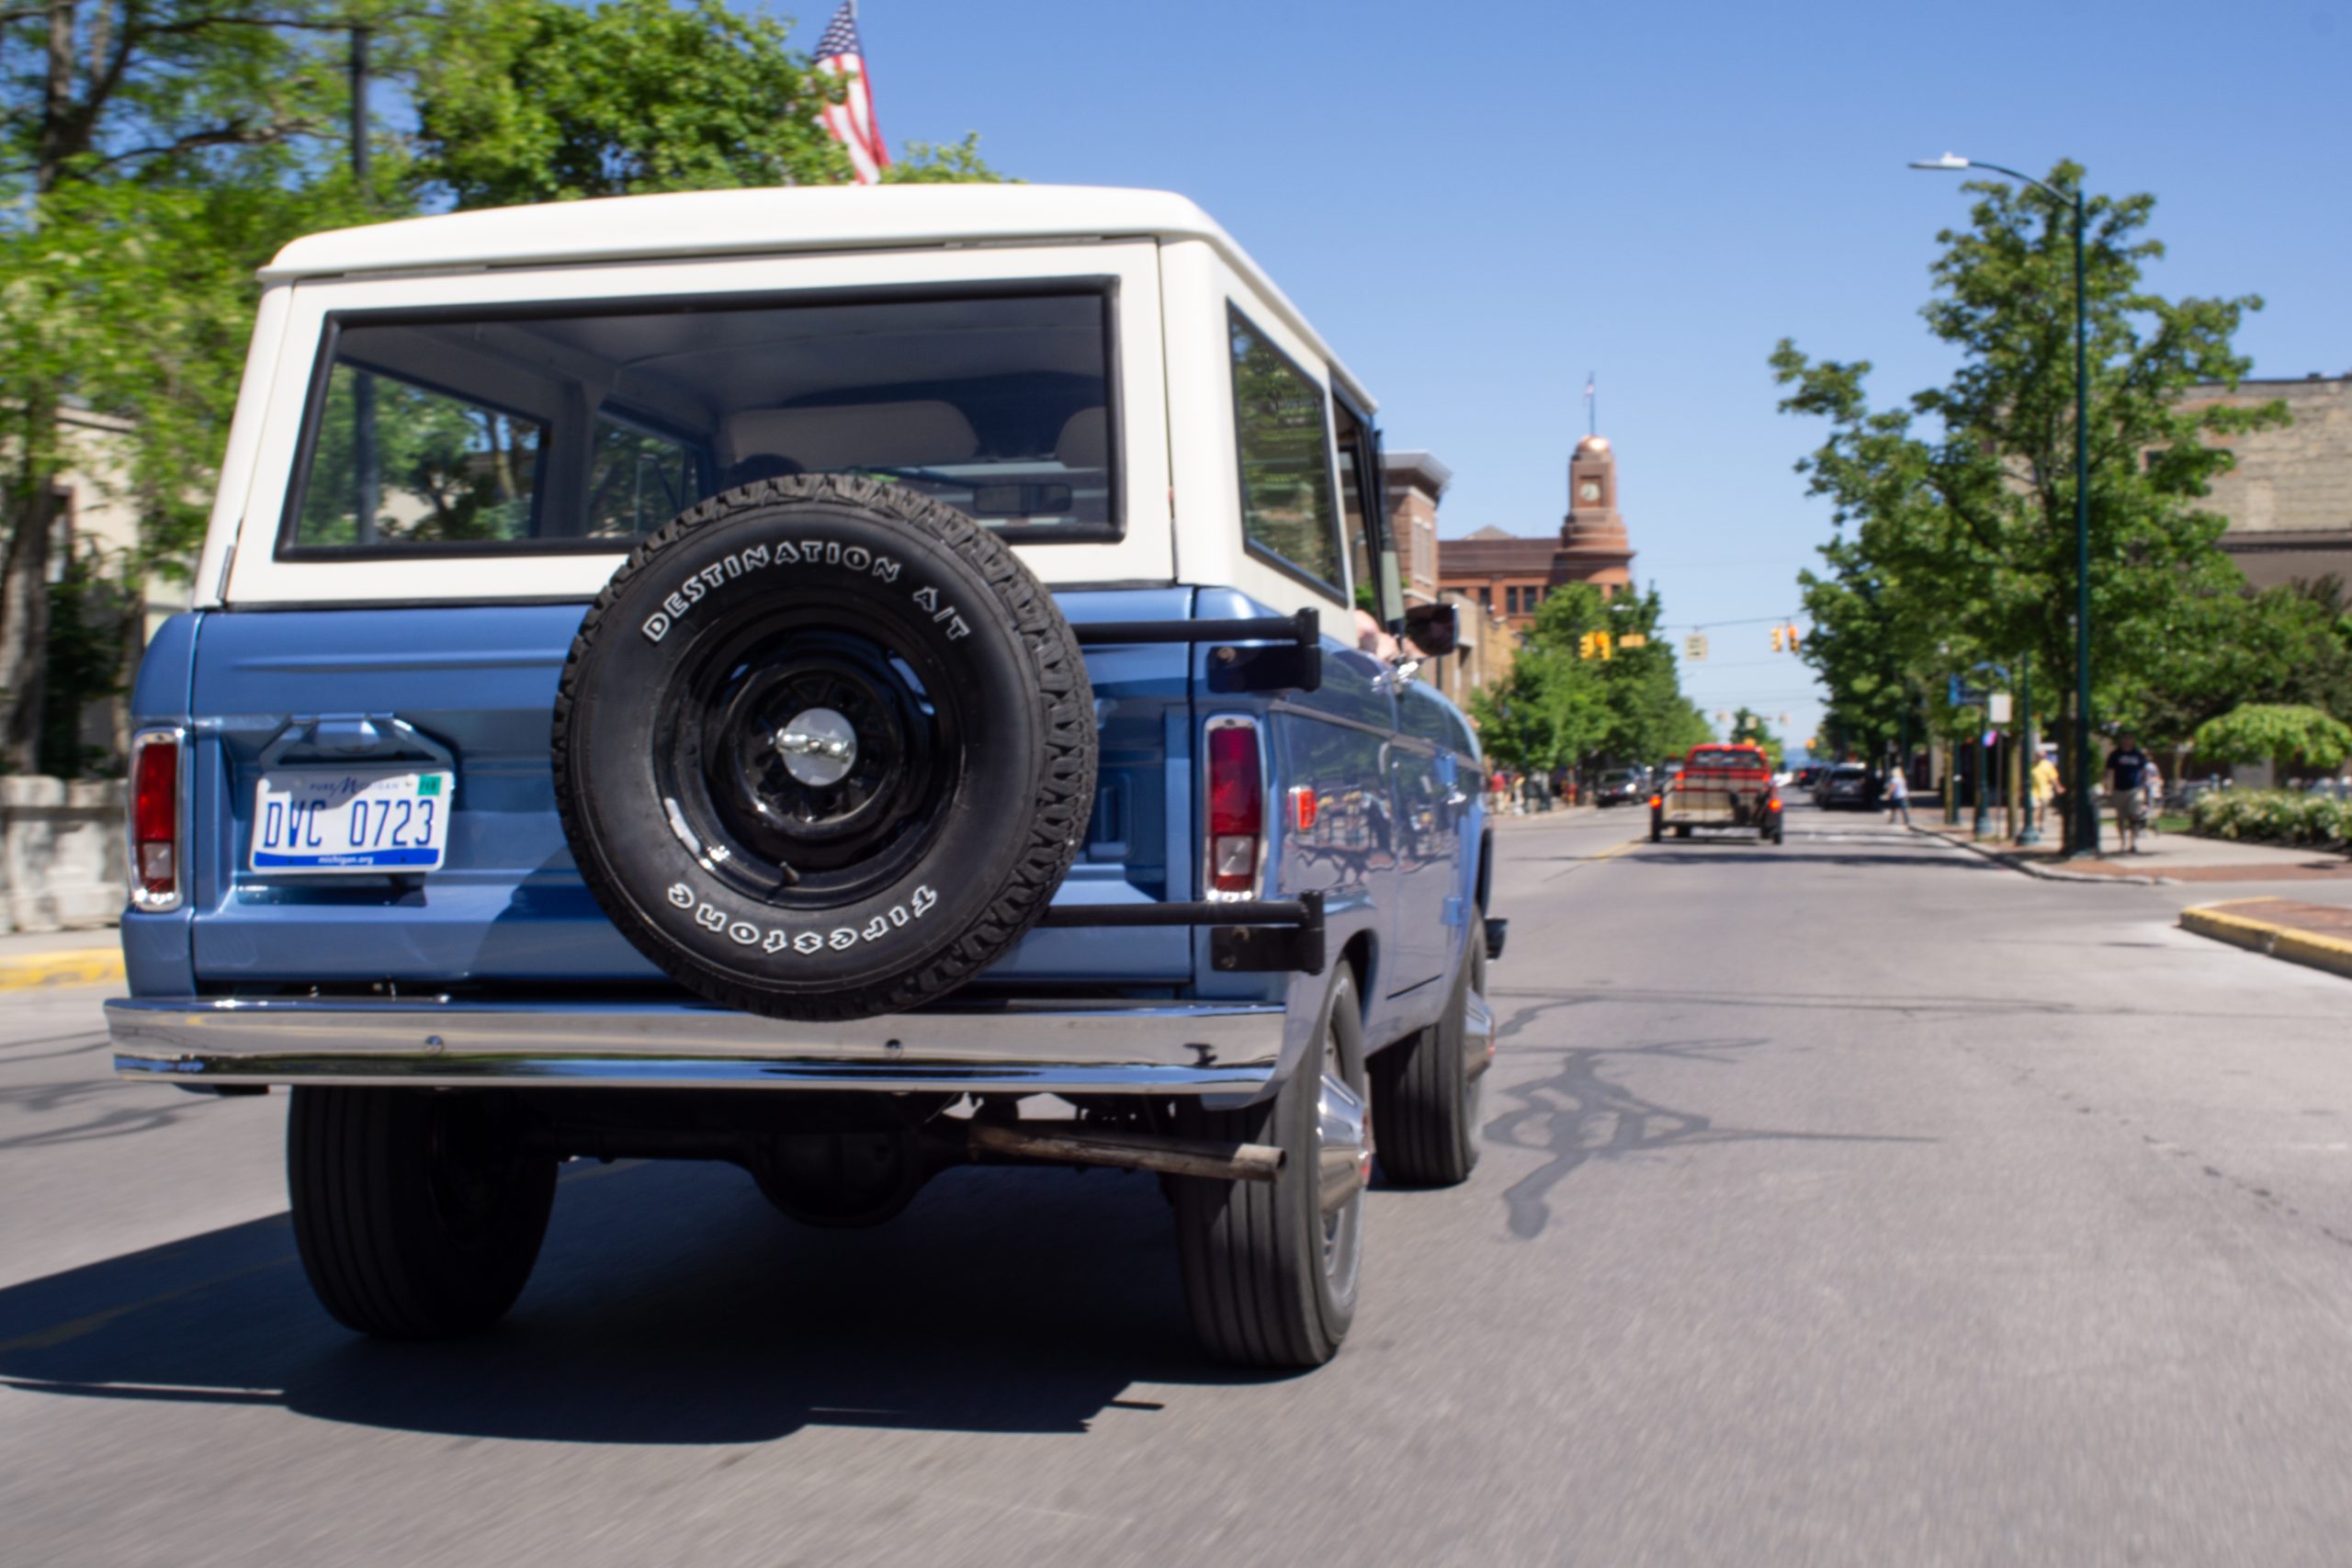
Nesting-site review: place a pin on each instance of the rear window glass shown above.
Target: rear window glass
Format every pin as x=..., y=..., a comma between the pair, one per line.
x=589, y=430
x=1724, y=757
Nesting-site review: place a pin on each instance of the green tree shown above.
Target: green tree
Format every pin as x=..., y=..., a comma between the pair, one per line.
x=1956, y=509
x=2282, y=734
x=1749, y=729
x=1572, y=701
x=552, y=101
x=154, y=152
x=141, y=143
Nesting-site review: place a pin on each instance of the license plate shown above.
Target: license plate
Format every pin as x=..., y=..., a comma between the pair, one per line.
x=351, y=819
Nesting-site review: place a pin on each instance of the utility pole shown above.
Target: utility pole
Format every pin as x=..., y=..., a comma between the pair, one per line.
x=2081, y=803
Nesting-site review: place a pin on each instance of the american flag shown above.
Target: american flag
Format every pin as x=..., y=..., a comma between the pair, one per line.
x=852, y=122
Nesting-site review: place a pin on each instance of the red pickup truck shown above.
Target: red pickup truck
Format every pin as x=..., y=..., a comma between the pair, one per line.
x=1719, y=786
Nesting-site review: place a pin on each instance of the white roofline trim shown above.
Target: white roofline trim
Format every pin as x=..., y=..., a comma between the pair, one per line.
x=684, y=224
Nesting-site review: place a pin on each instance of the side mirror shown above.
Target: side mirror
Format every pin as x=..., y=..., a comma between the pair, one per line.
x=1432, y=628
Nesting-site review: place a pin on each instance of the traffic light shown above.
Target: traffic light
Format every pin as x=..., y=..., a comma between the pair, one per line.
x=1595, y=644
x=1780, y=643
x=1793, y=639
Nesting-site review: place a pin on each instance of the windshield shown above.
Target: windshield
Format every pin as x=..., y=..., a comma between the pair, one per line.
x=588, y=431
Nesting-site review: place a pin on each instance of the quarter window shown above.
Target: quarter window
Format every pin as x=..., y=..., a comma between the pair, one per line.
x=399, y=463
x=637, y=480
x=1281, y=431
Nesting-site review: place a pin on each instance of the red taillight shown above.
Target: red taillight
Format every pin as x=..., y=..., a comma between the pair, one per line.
x=1656, y=801
x=1236, y=807
x=156, y=821
x=1304, y=807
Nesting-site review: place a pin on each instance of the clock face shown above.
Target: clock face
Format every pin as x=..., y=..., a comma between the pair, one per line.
x=1589, y=490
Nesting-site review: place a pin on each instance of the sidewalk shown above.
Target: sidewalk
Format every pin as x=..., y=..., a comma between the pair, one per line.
x=2316, y=935
x=60, y=958
x=2162, y=857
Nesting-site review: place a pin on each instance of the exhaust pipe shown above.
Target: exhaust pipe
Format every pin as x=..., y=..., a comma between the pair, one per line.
x=1066, y=1142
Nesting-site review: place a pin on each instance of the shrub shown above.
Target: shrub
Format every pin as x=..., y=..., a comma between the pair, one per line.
x=2271, y=815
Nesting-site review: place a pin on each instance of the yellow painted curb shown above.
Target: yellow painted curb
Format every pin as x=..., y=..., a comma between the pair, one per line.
x=75, y=966
x=2331, y=954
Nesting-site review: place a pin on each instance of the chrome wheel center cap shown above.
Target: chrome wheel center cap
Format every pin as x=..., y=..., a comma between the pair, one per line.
x=819, y=746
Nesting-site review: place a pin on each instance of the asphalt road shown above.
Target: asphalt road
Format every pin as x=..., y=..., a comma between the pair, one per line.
x=1856, y=1201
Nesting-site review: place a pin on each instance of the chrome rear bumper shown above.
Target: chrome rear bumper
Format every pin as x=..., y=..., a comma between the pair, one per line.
x=1161, y=1048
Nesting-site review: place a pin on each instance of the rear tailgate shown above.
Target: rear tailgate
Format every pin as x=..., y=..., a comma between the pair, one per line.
x=507, y=906
x=1726, y=796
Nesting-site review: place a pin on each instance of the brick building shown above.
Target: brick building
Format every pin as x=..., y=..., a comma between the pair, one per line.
x=2290, y=499
x=1415, y=482
x=1509, y=574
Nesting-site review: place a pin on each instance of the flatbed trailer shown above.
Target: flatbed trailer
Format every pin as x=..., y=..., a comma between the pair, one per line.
x=1719, y=786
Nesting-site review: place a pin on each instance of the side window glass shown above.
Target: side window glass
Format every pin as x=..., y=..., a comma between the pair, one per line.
x=638, y=481
x=394, y=462
x=1358, y=526
x=1284, y=443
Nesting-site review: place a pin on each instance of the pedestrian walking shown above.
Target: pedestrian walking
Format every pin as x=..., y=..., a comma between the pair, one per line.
x=1898, y=797
x=2127, y=771
x=2045, y=783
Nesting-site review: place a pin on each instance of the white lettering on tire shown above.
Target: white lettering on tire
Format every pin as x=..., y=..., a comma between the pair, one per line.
x=772, y=939
x=855, y=558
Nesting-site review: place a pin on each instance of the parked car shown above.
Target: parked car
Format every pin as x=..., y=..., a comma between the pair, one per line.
x=1719, y=786
x=1847, y=784
x=723, y=676
x=1620, y=786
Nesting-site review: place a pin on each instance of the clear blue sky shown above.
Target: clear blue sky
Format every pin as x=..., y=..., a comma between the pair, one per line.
x=1476, y=205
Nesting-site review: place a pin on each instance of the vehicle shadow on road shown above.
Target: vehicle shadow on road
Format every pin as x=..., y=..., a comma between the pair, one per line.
x=1578, y=1114
x=670, y=1306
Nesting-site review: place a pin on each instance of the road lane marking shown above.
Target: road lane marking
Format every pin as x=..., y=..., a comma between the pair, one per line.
x=1594, y=860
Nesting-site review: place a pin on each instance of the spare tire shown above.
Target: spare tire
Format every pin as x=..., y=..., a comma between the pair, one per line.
x=823, y=747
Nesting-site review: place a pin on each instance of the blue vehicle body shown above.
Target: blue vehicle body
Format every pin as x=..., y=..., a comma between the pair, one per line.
x=1391, y=765
x=457, y=432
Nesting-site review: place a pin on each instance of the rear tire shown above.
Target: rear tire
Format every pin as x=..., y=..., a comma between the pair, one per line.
x=1681, y=830
x=1270, y=1281
x=1426, y=1091
x=418, y=1214
x=1657, y=829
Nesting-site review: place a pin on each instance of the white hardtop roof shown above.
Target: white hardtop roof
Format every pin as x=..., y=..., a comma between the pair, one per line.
x=808, y=218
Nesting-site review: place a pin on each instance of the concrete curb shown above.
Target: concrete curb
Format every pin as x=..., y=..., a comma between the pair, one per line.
x=2046, y=873
x=2309, y=949
x=75, y=966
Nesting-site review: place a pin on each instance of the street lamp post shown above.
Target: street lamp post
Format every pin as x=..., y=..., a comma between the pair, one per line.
x=2081, y=802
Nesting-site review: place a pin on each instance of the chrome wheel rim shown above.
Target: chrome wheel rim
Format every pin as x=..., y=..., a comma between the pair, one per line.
x=1342, y=1140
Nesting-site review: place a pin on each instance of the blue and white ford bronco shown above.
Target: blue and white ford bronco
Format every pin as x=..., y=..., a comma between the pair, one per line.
x=840, y=681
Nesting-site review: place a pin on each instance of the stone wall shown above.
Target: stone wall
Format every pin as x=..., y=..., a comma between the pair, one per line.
x=61, y=854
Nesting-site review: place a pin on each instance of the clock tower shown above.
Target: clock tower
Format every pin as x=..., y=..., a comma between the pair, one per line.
x=1593, y=545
